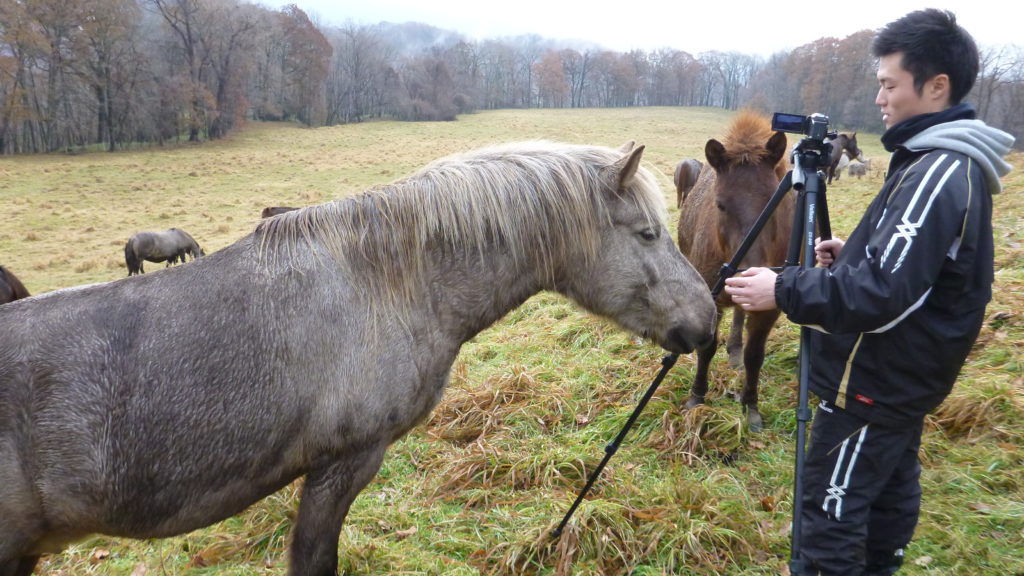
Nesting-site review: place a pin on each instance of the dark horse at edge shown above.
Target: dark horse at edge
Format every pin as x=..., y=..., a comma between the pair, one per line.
x=843, y=142
x=11, y=288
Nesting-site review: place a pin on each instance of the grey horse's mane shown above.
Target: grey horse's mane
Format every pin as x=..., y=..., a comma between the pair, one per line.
x=539, y=200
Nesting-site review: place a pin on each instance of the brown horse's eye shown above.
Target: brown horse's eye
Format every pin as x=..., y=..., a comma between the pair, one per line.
x=721, y=207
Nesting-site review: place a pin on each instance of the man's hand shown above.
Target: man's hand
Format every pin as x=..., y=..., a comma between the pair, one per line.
x=826, y=251
x=753, y=290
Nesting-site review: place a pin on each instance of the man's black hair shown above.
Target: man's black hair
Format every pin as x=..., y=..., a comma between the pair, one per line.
x=932, y=43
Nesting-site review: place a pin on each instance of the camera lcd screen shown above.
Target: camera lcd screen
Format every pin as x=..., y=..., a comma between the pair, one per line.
x=793, y=123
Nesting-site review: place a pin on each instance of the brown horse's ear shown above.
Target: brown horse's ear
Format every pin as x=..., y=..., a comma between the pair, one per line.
x=627, y=166
x=627, y=147
x=776, y=147
x=715, y=153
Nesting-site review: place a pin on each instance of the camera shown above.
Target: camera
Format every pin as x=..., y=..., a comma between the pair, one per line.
x=814, y=126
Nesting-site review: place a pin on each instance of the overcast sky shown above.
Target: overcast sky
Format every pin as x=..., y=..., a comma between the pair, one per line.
x=694, y=26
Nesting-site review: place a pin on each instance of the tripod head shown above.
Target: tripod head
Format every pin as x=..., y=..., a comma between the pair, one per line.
x=813, y=151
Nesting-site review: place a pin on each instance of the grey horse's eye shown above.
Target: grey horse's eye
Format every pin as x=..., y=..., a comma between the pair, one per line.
x=649, y=235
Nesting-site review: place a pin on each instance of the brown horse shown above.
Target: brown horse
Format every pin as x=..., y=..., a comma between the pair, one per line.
x=275, y=210
x=741, y=174
x=11, y=288
x=843, y=141
x=685, y=177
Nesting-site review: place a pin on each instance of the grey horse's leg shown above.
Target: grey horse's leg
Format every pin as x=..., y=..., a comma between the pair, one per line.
x=21, y=518
x=735, y=343
x=326, y=497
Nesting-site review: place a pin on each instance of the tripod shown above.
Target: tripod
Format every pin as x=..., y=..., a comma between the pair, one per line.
x=811, y=215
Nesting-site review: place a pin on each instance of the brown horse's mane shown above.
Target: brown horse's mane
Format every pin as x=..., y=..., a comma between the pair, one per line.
x=745, y=140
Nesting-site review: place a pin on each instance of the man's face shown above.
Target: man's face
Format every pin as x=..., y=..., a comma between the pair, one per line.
x=896, y=95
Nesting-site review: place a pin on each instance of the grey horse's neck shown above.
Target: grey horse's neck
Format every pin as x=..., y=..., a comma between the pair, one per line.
x=470, y=293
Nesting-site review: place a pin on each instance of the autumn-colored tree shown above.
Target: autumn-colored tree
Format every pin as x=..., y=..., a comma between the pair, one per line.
x=552, y=86
x=616, y=79
x=22, y=49
x=306, y=62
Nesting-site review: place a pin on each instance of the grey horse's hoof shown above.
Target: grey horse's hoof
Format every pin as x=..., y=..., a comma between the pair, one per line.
x=694, y=401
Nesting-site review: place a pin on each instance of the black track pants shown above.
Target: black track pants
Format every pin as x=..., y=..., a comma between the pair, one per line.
x=862, y=494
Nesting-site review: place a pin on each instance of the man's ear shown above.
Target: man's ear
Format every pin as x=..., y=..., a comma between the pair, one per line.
x=938, y=87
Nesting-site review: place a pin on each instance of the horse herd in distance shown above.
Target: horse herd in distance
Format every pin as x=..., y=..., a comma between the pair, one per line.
x=171, y=246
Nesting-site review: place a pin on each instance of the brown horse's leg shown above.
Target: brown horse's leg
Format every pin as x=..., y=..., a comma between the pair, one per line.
x=326, y=497
x=25, y=565
x=759, y=325
x=735, y=343
x=699, y=389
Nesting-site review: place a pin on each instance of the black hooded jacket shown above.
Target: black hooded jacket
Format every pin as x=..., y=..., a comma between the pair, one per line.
x=898, y=311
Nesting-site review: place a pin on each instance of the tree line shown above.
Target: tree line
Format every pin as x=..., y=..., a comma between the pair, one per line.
x=120, y=73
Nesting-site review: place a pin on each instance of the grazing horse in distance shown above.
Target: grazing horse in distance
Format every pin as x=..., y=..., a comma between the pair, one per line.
x=843, y=142
x=685, y=177
x=312, y=344
x=742, y=173
x=275, y=210
x=170, y=246
x=11, y=288
x=858, y=169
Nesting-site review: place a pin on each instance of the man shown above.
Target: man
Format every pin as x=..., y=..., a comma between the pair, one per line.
x=898, y=306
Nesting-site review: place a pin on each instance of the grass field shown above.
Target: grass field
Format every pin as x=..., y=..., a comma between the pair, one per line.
x=533, y=400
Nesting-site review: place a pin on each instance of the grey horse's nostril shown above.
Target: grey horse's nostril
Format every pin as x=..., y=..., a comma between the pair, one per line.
x=684, y=341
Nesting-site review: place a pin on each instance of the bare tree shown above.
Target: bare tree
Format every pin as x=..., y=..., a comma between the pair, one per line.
x=227, y=42
x=673, y=78
x=500, y=75
x=183, y=18
x=710, y=79
x=110, y=64
x=996, y=64
x=576, y=67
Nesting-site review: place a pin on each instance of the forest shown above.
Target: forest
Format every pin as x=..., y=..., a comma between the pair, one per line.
x=112, y=74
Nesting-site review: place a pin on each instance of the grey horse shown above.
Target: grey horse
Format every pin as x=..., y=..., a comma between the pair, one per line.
x=171, y=245
x=312, y=344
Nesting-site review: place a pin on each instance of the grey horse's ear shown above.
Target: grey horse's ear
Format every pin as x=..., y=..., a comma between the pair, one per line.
x=627, y=147
x=627, y=166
